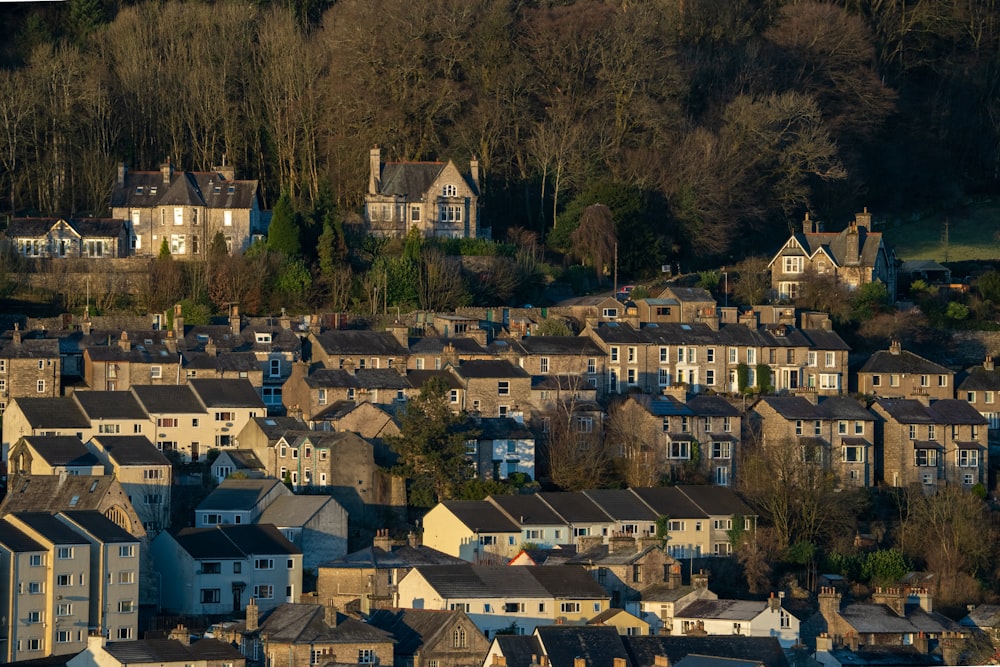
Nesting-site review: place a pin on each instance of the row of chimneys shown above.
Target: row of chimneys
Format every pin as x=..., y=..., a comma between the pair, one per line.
x=228, y=172
x=385, y=542
x=543, y=661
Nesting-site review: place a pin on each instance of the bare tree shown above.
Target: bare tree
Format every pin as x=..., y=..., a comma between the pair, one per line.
x=440, y=281
x=577, y=454
x=595, y=240
x=631, y=436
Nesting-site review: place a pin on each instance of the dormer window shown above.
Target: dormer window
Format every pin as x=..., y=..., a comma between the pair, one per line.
x=449, y=191
x=217, y=190
x=152, y=189
x=263, y=337
x=138, y=190
x=231, y=189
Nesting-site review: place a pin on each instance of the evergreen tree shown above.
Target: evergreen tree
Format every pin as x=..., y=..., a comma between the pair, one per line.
x=284, y=234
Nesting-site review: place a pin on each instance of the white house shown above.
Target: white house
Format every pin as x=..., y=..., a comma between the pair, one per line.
x=739, y=617
x=217, y=570
x=238, y=501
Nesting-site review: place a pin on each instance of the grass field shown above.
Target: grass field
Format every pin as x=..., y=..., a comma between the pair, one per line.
x=973, y=233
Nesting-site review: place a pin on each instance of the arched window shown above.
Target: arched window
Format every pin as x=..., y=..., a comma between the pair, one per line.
x=458, y=638
x=450, y=191
x=119, y=518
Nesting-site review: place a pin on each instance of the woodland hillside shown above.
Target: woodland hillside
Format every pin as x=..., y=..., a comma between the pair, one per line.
x=708, y=127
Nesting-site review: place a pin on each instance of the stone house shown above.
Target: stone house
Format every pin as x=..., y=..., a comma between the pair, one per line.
x=92, y=238
x=570, y=356
x=425, y=637
x=498, y=597
x=434, y=353
x=308, y=634
x=218, y=570
x=494, y=388
x=368, y=420
x=626, y=565
x=187, y=210
x=29, y=367
x=144, y=472
x=748, y=618
x=315, y=524
x=367, y=579
x=894, y=617
x=980, y=388
x=854, y=256
x=897, y=373
x=52, y=455
x=237, y=461
x=659, y=603
x=116, y=360
x=434, y=198
x=837, y=433
x=700, y=435
x=933, y=443
x=354, y=350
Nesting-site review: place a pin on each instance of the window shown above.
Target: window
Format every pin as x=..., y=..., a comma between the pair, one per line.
x=64, y=636
x=942, y=380
x=679, y=450
x=927, y=478
x=853, y=454
x=591, y=365
x=34, y=617
x=798, y=427
x=124, y=633
x=611, y=313
x=225, y=416
x=321, y=396
x=40, y=387
x=663, y=377
x=166, y=422
x=211, y=568
x=275, y=368
x=64, y=609
x=543, y=365
x=64, y=553
x=451, y=213
x=503, y=388
x=722, y=549
x=968, y=458
x=126, y=607
x=811, y=358
x=831, y=359
x=968, y=479
x=925, y=458
x=876, y=380
x=829, y=381
x=913, y=431
x=722, y=450
x=264, y=564
x=178, y=244
x=34, y=644
x=126, y=577
x=263, y=591
x=970, y=396
x=126, y=551
x=710, y=355
x=664, y=355
x=931, y=432
x=64, y=580
x=36, y=560
x=722, y=524
x=35, y=588
x=513, y=607
x=722, y=476
x=569, y=607
x=211, y=595
x=893, y=380
x=459, y=639
x=793, y=264
x=925, y=381
x=614, y=355
x=859, y=428
x=631, y=376
x=584, y=424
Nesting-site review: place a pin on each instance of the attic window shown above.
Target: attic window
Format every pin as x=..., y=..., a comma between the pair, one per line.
x=93, y=486
x=138, y=190
x=217, y=189
x=73, y=501
x=152, y=189
x=450, y=191
x=231, y=189
x=148, y=341
x=263, y=338
x=202, y=338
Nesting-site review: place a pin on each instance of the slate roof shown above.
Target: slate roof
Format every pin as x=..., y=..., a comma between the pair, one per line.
x=100, y=526
x=16, y=541
x=489, y=368
x=186, y=188
x=834, y=244
x=332, y=378
x=643, y=650
x=670, y=501
x=580, y=346
x=531, y=581
x=234, y=541
x=791, y=407
x=216, y=393
x=597, y=644
x=289, y=511
x=413, y=179
x=61, y=450
x=842, y=407
x=698, y=660
x=110, y=405
x=736, y=610
x=622, y=505
x=983, y=616
x=54, y=493
x=238, y=494
x=412, y=628
x=954, y=411
x=296, y=623
x=400, y=556
x=131, y=450
x=223, y=361
x=171, y=650
x=52, y=412
x=711, y=406
x=575, y=507
x=716, y=500
x=274, y=427
x=942, y=411
x=664, y=593
x=662, y=406
x=51, y=528
x=436, y=345
x=481, y=516
x=29, y=348
x=526, y=510
x=378, y=343
x=502, y=428
x=381, y=378
x=84, y=227
x=244, y=459
x=885, y=361
x=419, y=378
x=880, y=619
x=980, y=379
x=519, y=650
x=168, y=399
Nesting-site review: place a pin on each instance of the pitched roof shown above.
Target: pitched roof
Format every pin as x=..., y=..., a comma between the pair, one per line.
x=234, y=541
x=274, y=427
x=670, y=501
x=61, y=450
x=622, y=505
x=131, y=450
x=13, y=539
x=51, y=528
x=381, y=378
x=399, y=556
x=979, y=378
x=168, y=399
x=359, y=343
x=711, y=406
x=575, y=507
x=502, y=428
x=716, y=500
x=109, y=405
x=885, y=361
x=288, y=511
x=29, y=348
x=296, y=623
x=477, y=581
x=243, y=459
x=842, y=407
x=188, y=188
x=413, y=628
x=481, y=516
x=170, y=650
x=735, y=610
x=581, y=346
x=519, y=650
x=54, y=493
x=526, y=510
x=99, y=526
x=52, y=412
x=489, y=368
x=238, y=494
x=643, y=650
x=84, y=227
x=597, y=644
x=410, y=179
x=216, y=393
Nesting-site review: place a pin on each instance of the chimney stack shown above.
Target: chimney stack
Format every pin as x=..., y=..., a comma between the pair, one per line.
x=374, y=170
x=852, y=252
x=621, y=543
x=178, y=321
x=16, y=336
x=382, y=540
x=829, y=602
x=863, y=220
x=330, y=614
x=235, y=323
x=808, y=225
x=253, y=616
x=124, y=343
x=166, y=169
x=474, y=170
x=988, y=363
x=413, y=539
x=121, y=174
x=181, y=634
x=895, y=348
x=286, y=321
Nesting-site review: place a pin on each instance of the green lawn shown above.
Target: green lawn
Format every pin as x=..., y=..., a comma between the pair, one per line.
x=973, y=234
